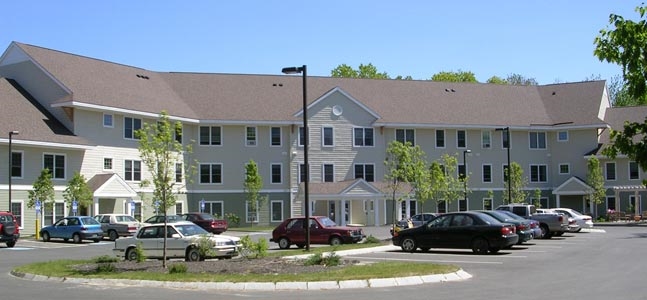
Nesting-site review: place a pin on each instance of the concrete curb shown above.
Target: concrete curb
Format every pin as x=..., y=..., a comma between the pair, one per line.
x=270, y=286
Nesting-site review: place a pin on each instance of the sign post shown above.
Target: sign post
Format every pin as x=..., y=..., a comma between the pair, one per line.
x=132, y=207
x=37, y=207
x=202, y=205
x=75, y=206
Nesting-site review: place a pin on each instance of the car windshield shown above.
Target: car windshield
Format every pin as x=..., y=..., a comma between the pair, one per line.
x=206, y=216
x=89, y=221
x=125, y=219
x=327, y=222
x=512, y=215
x=190, y=230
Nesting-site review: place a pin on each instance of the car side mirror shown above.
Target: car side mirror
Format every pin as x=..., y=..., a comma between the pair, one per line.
x=176, y=236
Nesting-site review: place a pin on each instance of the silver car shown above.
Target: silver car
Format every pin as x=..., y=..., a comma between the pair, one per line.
x=182, y=242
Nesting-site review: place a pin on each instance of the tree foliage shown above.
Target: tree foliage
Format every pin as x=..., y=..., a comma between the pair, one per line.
x=496, y=80
x=252, y=186
x=43, y=190
x=619, y=95
x=458, y=76
x=398, y=171
x=160, y=152
x=518, y=79
x=444, y=181
x=78, y=189
x=363, y=71
x=595, y=180
x=516, y=185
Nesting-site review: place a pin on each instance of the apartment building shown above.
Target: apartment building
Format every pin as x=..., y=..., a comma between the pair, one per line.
x=78, y=114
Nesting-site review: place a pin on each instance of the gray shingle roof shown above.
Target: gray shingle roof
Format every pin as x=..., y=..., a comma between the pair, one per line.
x=276, y=98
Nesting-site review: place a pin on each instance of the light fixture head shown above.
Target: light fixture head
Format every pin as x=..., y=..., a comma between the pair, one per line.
x=14, y=132
x=292, y=70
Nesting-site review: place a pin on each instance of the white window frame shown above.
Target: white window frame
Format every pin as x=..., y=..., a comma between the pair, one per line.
x=52, y=172
x=272, y=219
x=364, y=129
x=467, y=204
x=248, y=215
x=179, y=172
x=222, y=173
x=364, y=171
x=464, y=139
x=568, y=166
x=606, y=171
x=141, y=171
x=112, y=163
x=210, y=204
x=210, y=142
x=272, y=137
x=22, y=164
x=272, y=173
x=132, y=125
x=485, y=145
x=111, y=124
x=299, y=143
x=22, y=212
x=629, y=164
x=483, y=173
x=251, y=141
x=323, y=136
x=444, y=138
x=405, y=131
x=539, y=168
x=179, y=137
x=323, y=172
x=299, y=172
x=181, y=206
x=438, y=205
x=537, y=139
x=486, y=200
x=559, y=136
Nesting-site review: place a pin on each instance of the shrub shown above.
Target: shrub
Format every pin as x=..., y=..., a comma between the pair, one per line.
x=177, y=268
x=205, y=246
x=329, y=260
x=251, y=249
x=105, y=268
x=371, y=240
x=105, y=259
x=141, y=257
x=232, y=219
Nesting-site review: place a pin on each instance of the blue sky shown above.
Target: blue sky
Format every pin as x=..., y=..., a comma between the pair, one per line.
x=547, y=40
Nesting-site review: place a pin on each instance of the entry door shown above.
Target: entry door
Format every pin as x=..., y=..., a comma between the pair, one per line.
x=332, y=213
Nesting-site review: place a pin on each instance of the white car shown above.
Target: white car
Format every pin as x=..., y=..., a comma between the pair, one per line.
x=182, y=242
x=583, y=221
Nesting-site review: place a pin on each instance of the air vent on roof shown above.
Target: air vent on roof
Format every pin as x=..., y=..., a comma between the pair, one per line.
x=142, y=76
x=450, y=90
x=277, y=84
x=554, y=93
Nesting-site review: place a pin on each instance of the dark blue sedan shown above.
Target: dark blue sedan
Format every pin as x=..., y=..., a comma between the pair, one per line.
x=76, y=228
x=459, y=230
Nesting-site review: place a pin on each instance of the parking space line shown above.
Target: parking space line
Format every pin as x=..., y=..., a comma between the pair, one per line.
x=428, y=261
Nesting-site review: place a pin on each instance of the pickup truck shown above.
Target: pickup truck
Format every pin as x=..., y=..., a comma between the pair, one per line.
x=116, y=225
x=551, y=224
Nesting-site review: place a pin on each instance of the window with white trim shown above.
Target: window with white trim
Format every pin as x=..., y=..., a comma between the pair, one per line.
x=487, y=203
x=210, y=135
x=440, y=138
x=327, y=137
x=562, y=136
x=131, y=125
x=610, y=171
x=17, y=210
x=177, y=133
x=405, y=135
x=363, y=137
x=56, y=165
x=462, y=204
x=211, y=173
x=537, y=140
x=277, y=173
x=564, y=169
x=328, y=173
x=486, y=139
x=275, y=136
x=302, y=173
x=251, y=212
x=132, y=170
x=215, y=208
x=487, y=173
x=538, y=173
x=365, y=171
x=108, y=121
x=461, y=138
x=302, y=137
x=634, y=171
x=441, y=206
x=16, y=164
x=178, y=172
x=276, y=207
x=107, y=163
x=250, y=136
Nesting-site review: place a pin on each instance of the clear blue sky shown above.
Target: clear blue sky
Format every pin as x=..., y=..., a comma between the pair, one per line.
x=549, y=40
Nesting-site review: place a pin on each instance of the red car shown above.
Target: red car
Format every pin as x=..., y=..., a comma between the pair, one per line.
x=207, y=222
x=323, y=230
x=9, y=231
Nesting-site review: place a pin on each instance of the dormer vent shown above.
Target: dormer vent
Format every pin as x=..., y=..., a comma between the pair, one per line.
x=142, y=76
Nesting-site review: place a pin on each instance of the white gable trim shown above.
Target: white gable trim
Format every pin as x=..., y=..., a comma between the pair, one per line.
x=15, y=54
x=585, y=188
x=102, y=108
x=362, y=182
x=128, y=192
x=351, y=98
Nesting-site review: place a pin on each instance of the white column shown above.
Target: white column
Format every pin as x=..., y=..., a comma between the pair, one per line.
x=558, y=200
x=376, y=209
x=342, y=210
x=95, y=206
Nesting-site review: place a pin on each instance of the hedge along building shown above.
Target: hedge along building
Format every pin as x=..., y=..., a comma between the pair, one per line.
x=77, y=113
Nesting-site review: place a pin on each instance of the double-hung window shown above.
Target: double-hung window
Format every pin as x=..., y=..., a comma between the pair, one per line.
x=250, y=136
x=365, y=171
x=211, y=173
x=275, y=136
x=610, y=171
x=328, y=173
x=461, y=138
x=634, y=172
x=210, y=135
x=327, y=137
x=537, y=140
x=405, y=135
x=16, y=164
x=486, y=139
x=277, y=173
x=487, y=173
x=440, y=138
x=56, y=165
x=363, y=137
x=131, y=125
x=108, y=121
x=538, y=173
x=132, y=170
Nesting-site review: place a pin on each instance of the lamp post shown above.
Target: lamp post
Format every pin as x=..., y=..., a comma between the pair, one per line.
x=465, y=174
x=11, y=134
x=506, y=143
x=304, y=71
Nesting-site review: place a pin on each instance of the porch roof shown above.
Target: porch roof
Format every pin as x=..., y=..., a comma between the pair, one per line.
x=573, y=186
x=350, y=189
x=110, y=186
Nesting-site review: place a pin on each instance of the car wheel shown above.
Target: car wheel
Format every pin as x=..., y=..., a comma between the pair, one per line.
x=76, y=238
x=193, y=255
x=65, y=240
x=494, y=250
x=11, y=244
x=335, y=241
x=545, y=234
x=578, y=230
x=300, y=246
x=480, y=246
x=45, y=236
x=425, y=249
x=96, y=240
x=131, y=254
x=559, y=233
x=284, y=243
x=409, y=244
x=113, y=235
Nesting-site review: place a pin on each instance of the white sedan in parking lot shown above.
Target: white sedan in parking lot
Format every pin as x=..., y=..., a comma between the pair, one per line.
x=583, y=221
x=182, y=241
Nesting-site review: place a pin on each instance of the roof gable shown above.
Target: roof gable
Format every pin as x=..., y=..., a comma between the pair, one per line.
x=573, y=186
x=110, y=186
x=346, y=95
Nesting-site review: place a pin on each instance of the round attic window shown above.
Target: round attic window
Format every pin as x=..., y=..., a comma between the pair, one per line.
x=337, y=110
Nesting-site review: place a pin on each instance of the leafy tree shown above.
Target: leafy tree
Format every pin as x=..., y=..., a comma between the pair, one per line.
x=78, y=189
x=419, y=177
x=364, y=71
x=43, y=190
x=397, y=162
x=252, y=185
x=618, y=94
x=518, y=79
x=496, y=80
x=400, y=77
x=450, y=76
x=625, y=45
x=160, y=152
x=537, y=196
x=444, y=182
x=595, y=180
x=517, y=184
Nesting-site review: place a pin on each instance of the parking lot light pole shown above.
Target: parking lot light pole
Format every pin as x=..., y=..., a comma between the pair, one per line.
x=303, y=70
x=11, y=134
x=506, y=143
x=465, y=174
